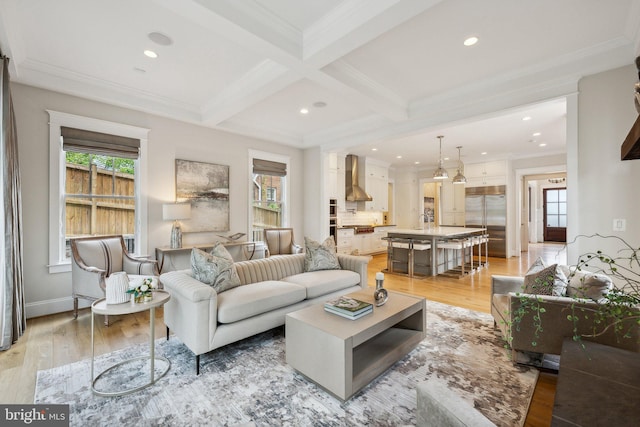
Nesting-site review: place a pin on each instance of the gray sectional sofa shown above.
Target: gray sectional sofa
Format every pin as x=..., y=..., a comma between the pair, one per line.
x=270, y=288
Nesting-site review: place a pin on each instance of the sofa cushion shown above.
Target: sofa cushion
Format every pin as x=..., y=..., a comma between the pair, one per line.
x=215, y=269
x=589, y=285
x=320, y=256
x=547, y=281
x=250, y=300
x=319, y=283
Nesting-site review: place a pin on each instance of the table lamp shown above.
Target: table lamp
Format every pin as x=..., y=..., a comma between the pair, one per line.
x=174, y=212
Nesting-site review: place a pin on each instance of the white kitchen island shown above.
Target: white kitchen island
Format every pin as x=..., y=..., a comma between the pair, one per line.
x=432, y=235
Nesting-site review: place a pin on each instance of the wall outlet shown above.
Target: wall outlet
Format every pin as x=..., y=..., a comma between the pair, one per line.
x=619, y=224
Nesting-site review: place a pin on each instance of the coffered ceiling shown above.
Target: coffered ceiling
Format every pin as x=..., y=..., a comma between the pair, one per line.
x=385, y=74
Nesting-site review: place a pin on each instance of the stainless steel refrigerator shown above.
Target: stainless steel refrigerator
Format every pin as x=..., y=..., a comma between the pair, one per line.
x=486, y=207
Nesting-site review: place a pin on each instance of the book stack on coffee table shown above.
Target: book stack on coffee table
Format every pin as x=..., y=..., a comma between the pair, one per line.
x=348, y=307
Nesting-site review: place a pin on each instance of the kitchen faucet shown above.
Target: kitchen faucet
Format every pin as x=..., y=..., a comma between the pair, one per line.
x=428, y=218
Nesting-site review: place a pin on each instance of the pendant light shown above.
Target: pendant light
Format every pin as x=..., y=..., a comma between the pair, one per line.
x=440, y=173
x=459, y=178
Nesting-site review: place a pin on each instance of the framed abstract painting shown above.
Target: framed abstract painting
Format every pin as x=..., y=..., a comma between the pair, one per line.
x=206, y=187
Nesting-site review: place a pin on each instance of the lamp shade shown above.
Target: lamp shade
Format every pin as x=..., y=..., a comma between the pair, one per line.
x=175, y=211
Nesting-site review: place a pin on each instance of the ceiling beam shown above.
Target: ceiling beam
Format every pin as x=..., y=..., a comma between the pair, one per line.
x=357, y=22
x=353, y=24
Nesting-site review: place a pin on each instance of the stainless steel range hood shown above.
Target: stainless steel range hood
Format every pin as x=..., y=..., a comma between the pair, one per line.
x=353, y=191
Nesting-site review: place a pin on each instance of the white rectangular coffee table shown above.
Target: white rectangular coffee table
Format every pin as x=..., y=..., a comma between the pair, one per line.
x=343, y=355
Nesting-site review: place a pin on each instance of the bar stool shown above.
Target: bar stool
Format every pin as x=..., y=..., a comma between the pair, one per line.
x=459, y=246
x=484, y=240
x=393, y=244
x=421, y=255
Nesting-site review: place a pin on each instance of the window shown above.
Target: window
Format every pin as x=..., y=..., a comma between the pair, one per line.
x=271, y=194
x=556, y=207
x=268, y=198
x=97, y=184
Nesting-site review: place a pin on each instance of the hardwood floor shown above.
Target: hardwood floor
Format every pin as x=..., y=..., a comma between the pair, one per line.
x=58, y=339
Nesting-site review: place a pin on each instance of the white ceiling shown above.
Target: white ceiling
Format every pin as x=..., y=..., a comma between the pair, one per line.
x=394, y=74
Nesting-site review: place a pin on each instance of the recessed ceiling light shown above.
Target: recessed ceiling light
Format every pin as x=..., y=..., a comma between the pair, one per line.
x=304, y=111
x=150, y=53
x=374, y=149
x=159, y=38
x=537, y=134
x=483, y=153
x=398, y=157
x=526, y=118
x=542, y=144
x=319, y=104
x=416, y=163
x=446, y=158
x=471, y=41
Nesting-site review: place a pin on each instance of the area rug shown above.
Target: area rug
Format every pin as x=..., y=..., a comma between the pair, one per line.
x=249, y=383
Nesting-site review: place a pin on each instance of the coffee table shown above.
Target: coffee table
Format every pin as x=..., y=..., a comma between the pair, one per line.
x=160, y=297
x=343, y=355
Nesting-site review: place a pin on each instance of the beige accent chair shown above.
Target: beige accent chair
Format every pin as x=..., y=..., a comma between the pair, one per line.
x=280, y=242
x=94, y=259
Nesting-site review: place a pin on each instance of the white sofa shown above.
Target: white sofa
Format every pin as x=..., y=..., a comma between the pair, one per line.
x=270, y=288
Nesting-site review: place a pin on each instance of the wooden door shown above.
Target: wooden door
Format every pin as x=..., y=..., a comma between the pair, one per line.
x=555, y=214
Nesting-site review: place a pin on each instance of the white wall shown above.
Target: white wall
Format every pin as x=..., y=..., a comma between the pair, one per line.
x=608, y=186
x=316, y=199
x=168, y=140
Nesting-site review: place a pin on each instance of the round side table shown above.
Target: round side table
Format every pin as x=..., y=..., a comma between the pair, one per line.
x=100, y=306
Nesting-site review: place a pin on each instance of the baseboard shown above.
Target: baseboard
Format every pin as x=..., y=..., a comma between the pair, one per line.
x=52, y=306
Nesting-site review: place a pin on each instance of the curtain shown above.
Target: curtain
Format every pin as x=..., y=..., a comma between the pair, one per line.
x=13, y=319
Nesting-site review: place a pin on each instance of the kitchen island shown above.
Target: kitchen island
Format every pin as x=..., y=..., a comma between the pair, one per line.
x=406, y=239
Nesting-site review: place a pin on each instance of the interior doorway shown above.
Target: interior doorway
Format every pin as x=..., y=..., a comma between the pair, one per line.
x=533, y=220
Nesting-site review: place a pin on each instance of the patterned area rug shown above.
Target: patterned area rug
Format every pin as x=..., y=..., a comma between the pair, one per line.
x=250, y=383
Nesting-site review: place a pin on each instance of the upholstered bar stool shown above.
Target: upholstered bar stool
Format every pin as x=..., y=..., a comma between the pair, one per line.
x=421, y=256
x=395, y=244
x=459, y=248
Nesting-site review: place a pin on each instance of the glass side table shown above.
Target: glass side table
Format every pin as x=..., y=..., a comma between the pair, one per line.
x=100, y=306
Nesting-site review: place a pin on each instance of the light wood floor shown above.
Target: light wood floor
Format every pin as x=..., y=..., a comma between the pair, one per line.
x=58, y=339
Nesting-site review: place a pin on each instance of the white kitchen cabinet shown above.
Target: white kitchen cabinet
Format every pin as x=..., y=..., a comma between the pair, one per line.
x=335, y=180
x=362, y=243
x=452, y=218
x=345, y=241
x=380, y=232
x=375, y=177
x=452, y=203
x=486, y=174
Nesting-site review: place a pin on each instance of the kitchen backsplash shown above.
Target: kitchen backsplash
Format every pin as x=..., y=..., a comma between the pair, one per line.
x=359, y=218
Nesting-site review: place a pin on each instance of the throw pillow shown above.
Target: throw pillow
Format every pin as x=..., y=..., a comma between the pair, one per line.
x=215, y=269
x=589, y=285
x=320, y=256
x=547, y=281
